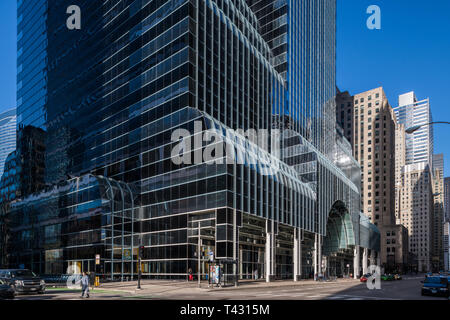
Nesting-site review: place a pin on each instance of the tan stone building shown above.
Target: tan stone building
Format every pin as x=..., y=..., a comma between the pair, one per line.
x=400, y=162
x=369, y=123
x=438, y=220
x=416, y=211
x=397, y=253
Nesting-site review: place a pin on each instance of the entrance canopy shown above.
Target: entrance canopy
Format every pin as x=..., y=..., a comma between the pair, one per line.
x=345, y=230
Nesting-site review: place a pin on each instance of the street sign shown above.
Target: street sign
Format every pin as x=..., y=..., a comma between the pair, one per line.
x=127, y=254
x=97, y=259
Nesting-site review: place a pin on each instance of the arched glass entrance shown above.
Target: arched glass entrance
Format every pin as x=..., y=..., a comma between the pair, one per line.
x=338, y=243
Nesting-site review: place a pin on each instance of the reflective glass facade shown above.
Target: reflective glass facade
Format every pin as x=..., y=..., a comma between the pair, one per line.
x=7, y=136
x=117, y=89
x=302, y=38
x=65, y=226
x=31, y=62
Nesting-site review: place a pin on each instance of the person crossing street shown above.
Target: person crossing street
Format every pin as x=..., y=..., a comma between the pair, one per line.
x=85, y=285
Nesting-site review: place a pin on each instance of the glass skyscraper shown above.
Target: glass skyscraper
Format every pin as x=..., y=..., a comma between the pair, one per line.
x=31, y=62
x=411, y=112
x=302, y=38
x=137, y=71
x=7, y=135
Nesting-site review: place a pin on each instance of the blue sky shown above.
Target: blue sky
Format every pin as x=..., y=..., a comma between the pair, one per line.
x=411, y=52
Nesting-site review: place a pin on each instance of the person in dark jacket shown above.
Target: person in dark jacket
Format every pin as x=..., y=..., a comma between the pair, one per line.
x=85, y=285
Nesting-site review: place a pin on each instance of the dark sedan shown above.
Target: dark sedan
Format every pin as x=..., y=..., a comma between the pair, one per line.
x=23, y=281
x=435, y=286
x=6, y=291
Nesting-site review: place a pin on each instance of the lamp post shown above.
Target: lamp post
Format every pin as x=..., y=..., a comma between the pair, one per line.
x=413, y=129
x=198, y=255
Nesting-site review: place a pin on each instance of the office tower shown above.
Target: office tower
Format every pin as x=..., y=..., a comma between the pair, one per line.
x=410, y=112
x=438, y=215
x=373, y=146
x=416, y=212
x=400, y=162
x=369, y=123
x=446, y=246
x=118, y=90
x=447, y=198
x=439, y=212
x=7, y=135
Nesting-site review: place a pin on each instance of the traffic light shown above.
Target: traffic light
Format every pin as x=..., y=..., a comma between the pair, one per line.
x=141, y=252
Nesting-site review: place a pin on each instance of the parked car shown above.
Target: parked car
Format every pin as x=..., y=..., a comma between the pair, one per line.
x=365, y=277
x=398, y=277
x=387, y=277
x=436, y=286
x=23, y=281
x=6, y=291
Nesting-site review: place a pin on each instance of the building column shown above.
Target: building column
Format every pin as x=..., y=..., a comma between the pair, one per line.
x=365, y=260
x=356, y=259
x=315, y=260
x=270, y=256
x=235, y=249
x=319, y=251
x=297, y=254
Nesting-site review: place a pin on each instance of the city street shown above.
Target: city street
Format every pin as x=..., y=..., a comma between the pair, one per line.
x=406, y=289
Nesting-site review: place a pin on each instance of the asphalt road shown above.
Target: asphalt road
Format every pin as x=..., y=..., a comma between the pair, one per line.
x=406, y=289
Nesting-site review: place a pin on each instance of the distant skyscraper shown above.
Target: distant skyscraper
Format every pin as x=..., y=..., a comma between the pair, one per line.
x=447, y=198
x=416, y=214
x=438, y=216
x=410, y=112
x=438, y=163
x=446, y=246
x=400, y=154
x=439, y=211
x=7, y=135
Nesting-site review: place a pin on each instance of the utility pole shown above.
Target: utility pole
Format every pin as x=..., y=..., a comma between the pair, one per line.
x=198, y=255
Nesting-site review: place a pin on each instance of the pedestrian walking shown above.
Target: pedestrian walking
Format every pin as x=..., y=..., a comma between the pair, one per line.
x=85, y=285
x=191, y=277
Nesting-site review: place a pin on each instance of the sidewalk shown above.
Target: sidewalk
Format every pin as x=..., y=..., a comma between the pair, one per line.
x=165, y=286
